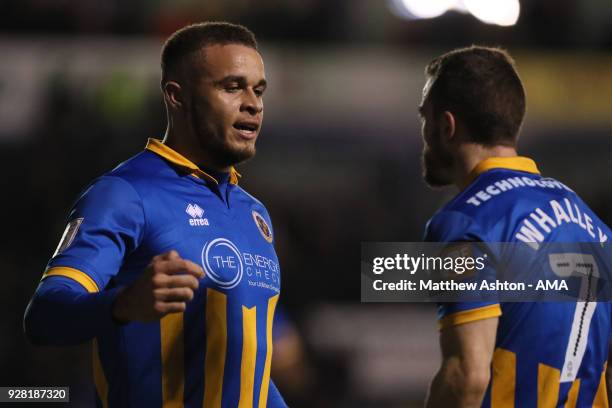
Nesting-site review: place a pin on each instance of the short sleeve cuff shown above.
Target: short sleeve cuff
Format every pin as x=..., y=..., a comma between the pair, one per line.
x=471, y=315
x=76, y=275
x=76, y=269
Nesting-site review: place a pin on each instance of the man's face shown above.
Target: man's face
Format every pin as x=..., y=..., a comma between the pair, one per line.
x=437, y=159
x=225, y=102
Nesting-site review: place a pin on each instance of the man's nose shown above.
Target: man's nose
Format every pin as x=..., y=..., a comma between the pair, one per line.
x=252, y=103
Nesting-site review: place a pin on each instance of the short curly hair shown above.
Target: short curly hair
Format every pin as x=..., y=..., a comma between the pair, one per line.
x=183, y=43
x=481, y=86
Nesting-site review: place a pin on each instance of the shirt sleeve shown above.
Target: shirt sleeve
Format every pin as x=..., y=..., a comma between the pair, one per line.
x=275, y=400
x=62, y=312
x=454, y=226
x=105, y=225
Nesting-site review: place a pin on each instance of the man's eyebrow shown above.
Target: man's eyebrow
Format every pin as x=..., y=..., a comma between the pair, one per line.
x=240, y=80
x=230, y=78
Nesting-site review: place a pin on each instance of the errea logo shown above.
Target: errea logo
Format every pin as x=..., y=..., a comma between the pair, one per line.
x=196, y=213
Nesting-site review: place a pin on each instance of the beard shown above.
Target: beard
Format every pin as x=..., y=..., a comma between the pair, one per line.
x=215, y=141
x=437, y=164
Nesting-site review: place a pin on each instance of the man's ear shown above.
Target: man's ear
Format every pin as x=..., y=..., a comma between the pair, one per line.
x=173, y=94
x=449, y=125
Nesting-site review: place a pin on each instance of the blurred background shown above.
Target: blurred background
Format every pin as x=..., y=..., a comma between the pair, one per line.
x=338, y=158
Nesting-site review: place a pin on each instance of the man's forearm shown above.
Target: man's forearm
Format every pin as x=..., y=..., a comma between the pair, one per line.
x=453, y=388
x=62, y=313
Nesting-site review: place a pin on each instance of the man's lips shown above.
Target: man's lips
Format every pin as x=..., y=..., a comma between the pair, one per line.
x=247, y=129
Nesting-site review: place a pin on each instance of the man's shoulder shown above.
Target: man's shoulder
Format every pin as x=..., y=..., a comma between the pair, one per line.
x=501, y=202
x=500, y=188
x=457, y=220
x=448, y=225
x=496, y=196
x=253, y=204
x=146, y=172
x=248, y=197
x=130, y=180
x=142, y=165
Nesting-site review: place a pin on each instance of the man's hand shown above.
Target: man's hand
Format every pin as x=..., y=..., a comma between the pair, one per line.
x=165, y=286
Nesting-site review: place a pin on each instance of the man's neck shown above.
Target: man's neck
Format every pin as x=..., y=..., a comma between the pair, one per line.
x=470, y=154
x=188, y=148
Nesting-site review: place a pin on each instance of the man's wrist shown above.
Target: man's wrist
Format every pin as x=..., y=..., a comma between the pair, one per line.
x=118, y=309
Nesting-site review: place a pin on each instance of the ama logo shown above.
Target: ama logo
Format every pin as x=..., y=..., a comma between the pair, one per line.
x=196, y=213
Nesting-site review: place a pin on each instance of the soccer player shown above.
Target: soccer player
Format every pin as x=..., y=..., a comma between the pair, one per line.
x=544, y=354
x=166, y=263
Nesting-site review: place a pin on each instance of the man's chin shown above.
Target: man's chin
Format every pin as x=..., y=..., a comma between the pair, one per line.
x=244, y=156
x=434, y=181
x=236, y=155
x=435, y=172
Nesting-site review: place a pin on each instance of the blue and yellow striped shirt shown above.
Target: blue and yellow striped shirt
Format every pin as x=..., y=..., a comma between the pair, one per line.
x=547, y=354
x=218, y=352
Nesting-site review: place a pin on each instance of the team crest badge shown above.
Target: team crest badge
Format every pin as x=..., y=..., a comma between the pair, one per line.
x=263, y=227
x=68, y=236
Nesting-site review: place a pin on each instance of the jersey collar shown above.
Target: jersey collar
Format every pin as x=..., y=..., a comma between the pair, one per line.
x=174, y=157
x=518, y=163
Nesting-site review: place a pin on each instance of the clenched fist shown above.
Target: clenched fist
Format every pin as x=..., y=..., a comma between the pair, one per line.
x=165, y=286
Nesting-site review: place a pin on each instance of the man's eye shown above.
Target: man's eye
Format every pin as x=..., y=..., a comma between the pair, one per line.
x=232, y=88
x=259, y=92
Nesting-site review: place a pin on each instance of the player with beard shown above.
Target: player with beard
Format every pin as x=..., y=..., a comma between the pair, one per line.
x=496, y=354
x=166, y=263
